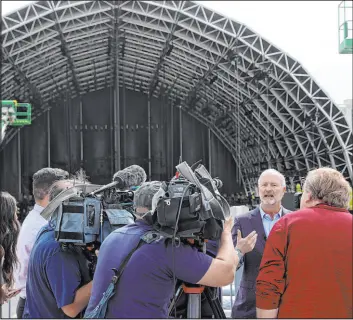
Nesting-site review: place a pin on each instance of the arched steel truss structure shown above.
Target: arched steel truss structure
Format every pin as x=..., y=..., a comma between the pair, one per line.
x=260, y=102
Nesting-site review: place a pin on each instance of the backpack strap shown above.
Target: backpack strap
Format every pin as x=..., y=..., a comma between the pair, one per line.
x=148, y=237
x=100, y=310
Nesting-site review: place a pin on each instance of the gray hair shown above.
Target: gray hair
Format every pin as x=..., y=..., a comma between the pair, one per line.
x=43, y=180
x=274, y=172
x=329, y=186
x=144, y=194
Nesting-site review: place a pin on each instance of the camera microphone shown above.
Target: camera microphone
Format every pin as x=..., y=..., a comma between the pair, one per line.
x=126, y=178
x=129, y=177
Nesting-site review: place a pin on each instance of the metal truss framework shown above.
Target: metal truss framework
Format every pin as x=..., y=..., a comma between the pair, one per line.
x=260, y=102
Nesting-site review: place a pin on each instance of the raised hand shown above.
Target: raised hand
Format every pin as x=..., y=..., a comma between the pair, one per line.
x=246, y=244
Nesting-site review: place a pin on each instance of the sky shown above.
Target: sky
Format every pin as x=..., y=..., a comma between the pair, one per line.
x=305, y=30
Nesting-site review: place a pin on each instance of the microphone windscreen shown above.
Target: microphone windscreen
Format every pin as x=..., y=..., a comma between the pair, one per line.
x=131, y=176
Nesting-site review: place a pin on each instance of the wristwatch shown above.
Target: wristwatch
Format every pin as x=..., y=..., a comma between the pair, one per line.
x=239, y=253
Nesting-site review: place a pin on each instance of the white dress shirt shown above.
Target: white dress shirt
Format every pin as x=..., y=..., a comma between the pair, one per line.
x=28, y=233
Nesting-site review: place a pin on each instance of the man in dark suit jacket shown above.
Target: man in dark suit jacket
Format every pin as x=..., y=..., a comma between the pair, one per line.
x=272, y=186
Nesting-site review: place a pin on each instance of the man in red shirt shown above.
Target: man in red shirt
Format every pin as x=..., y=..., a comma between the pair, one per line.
x=306, y=268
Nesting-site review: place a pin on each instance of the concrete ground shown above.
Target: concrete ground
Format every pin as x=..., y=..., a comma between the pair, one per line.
x=229, y=294
x=8, y=310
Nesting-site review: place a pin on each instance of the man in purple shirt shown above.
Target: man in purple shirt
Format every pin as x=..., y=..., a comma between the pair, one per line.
x=146, y=286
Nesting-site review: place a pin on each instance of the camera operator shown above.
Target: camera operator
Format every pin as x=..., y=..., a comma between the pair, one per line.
x=58, y=282
x=42, y=181
x=306, y=268
x=148, y=281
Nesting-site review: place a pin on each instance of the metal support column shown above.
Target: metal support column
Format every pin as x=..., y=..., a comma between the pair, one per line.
x=180, y=134
x=124, y=119
x=149, y=139
x=117, y=120
x=67, y=104
x=172, y=138
x=81, y=133
x=209, y=152
x=165, y=138
x=239, y=173
x=116, y=85
x=48, y=138
x=19, y=168
x=112, y=130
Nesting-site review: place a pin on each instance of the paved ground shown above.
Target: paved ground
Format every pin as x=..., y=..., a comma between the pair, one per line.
x=9, y=308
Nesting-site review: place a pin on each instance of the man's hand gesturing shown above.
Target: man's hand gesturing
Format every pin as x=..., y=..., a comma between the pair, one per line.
x=246, y=244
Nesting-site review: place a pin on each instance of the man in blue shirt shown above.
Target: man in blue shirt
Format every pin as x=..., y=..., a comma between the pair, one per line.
x=58, y=281
x=272, y=186
x=268, y=220
x=146, y=286
x=42, y=182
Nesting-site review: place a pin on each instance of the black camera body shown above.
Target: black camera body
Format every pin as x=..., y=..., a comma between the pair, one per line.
x=187, y=217
x=190, y=206
x=297, y=199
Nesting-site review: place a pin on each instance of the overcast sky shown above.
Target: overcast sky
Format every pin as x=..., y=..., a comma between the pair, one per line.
x=306, y=30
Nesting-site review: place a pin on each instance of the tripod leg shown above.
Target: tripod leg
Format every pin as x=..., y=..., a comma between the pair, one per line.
x=175, y=300
x=194, y=306
x=215, y=305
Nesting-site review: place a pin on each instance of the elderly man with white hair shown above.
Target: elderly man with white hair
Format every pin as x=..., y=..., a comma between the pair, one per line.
x=272, y=187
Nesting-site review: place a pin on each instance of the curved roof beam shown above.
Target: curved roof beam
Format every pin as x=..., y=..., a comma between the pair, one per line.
x=166, y=51
x=64, y=48
x=202, y=40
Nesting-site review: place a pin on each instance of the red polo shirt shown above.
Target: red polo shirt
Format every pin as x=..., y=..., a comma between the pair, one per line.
x=306, y=268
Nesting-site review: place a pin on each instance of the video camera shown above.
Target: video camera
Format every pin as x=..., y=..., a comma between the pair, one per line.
x=87, y=218
x=190, y=206
x=86, y=214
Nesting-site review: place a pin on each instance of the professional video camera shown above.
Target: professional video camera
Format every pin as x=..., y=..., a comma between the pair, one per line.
x=86, y=214
x=190, y=209
x=190, y=206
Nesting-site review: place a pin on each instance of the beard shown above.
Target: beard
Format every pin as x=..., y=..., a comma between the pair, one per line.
x=268, y=200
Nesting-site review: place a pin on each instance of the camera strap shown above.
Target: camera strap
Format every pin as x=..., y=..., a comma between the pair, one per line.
x=100, y=310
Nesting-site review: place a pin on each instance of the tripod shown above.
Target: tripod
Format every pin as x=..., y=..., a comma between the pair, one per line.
x=193, y=295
